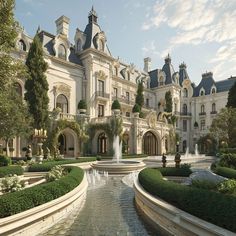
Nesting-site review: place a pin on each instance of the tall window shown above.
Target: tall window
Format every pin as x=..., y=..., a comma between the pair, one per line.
x=213, y=90
x=127, y=96
x=213, y=107
x=62, y=103
x=161, y=81
x=185, y=109
x=128, y=75
x=100, y=110
x=185, y=93
x=115, y=92
x=202, y=124
x=175, y=107
x=202, y=93
x=101, y=88
x=185, y=125
x=202, y=108
x=147, y=102
x=102, y=143
x=116, y=71
x=62, y=52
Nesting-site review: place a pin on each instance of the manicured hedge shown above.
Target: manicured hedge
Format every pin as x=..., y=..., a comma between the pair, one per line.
x=48, y=165
x=225, y=172
x=127, y=156
x=211, y=206
x=16, y=202
x=172, y=171
x=228, y=160
x=11, y=170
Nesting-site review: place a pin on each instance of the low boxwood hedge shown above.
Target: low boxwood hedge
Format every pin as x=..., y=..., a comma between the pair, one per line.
x=11, y=170
x=47, y=165
x=16, y=202
x=211, y=206
x=172, y=171
x=225, y=172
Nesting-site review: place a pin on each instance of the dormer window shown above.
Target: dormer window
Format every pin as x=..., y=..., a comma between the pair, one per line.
x=22, y=45
x=161, y=81
x=213, y=90
x=185, y=93
x=62, y=52
x=79, y=45
x=202, y=92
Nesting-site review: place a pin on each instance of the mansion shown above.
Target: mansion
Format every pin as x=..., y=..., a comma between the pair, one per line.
x=85, y=69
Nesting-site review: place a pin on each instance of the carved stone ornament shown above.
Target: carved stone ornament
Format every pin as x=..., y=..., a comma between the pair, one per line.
x=61, y=88
x=101, y=75
x=152, y=120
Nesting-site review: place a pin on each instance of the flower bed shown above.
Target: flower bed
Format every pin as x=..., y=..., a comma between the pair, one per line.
x=16, y=202
x=211, y=206
x=11, y=170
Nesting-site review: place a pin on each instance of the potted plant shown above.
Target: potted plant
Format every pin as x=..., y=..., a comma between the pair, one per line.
x=116, y=107
x=82, y=106
x=136, y=110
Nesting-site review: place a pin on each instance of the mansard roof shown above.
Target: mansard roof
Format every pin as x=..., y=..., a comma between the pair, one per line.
x=153, y=78
x=169, y=70
x=182, y=73
x=225, y=85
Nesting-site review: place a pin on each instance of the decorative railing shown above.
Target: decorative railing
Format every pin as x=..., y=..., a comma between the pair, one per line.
x=202, y=113
x=213, y=112
x=102, y=94
x=123, y=100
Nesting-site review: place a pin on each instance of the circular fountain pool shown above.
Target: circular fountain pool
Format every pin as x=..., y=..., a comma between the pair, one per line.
x=121, y=167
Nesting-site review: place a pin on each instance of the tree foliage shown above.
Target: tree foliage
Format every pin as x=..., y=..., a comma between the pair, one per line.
x=232, y=97
x=223, y=127
x=139, y=97
x=37, y=85
x=168, y=98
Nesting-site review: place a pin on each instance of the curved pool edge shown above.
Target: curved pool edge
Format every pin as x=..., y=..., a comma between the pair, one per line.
x=38, y=219
x=172, y=220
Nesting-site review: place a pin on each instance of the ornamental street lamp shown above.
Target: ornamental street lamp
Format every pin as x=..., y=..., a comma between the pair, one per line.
x=40, y=135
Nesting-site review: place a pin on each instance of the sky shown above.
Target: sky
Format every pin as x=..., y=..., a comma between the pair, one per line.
x=201, y=33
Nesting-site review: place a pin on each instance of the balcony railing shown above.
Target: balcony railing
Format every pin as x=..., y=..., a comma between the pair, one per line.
x=202, y=113
x=213, y=112
x=123, y=100
x=182, y=113
x=101, y=94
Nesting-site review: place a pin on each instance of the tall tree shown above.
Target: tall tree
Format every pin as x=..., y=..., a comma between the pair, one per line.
x=223, y=127
x=168, y=98
x=232, y=97
x=139, y=97
x=36, y=85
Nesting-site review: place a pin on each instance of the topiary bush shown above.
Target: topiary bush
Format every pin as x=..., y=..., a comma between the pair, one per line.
x=211, y=206
x=5, y=161
x=48, y=165
x=136, y=108
x=82, y=104
x=13, y=203
x=115, y=105
x=11, y=170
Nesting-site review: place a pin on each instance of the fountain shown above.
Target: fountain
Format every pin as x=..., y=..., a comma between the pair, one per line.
x=196, y=150
x=118, y=166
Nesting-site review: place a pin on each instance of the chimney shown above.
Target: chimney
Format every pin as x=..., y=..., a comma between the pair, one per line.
x=147, y=64
x=62, y=24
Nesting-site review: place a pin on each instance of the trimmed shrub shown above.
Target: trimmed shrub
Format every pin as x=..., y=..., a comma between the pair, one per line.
x=184, y=171
x=136, y=108
x=5, y=161
x=127, y=156
x=13, y=203
x=48, y=165
x=115, y=105
x=228, y=160
x=11, y=170
x=225, y=172
x=211, y=206
x=204, y=184
x=82, y=104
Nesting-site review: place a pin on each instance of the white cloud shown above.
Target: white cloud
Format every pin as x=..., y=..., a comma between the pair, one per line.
x=150, y=49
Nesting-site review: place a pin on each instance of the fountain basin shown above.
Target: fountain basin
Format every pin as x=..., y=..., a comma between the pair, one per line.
x=121, y=167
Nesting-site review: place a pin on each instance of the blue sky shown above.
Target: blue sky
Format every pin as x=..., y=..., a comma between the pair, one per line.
x=200, y=33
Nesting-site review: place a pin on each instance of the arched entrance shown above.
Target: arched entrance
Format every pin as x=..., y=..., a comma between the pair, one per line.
x=150, y=144
x=102, y=143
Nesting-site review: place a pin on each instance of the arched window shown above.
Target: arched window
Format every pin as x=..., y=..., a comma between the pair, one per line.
x=213, y=107
x=62, y=52
x=213, y=91
x=185, y=93
x=102, y=143
x=62, y=103
x=79, y=45
x=18, y=88
x=202, y=93
x=202, y=109
x=185, y=109
x=161, y=81
x=22, y=45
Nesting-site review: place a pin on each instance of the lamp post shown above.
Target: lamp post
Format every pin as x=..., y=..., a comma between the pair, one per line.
x=40, y=135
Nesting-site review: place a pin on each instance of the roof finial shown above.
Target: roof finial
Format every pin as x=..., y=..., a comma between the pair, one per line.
x=93, y=16
x=38, y=30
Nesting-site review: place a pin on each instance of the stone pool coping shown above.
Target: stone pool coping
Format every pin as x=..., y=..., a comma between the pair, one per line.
x=38, y=219
x=171, y=220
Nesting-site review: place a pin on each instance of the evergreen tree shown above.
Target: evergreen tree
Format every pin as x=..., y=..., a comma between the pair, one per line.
x=232, y=97
x=168, y=98
x=36, y=85
x=139, y=97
